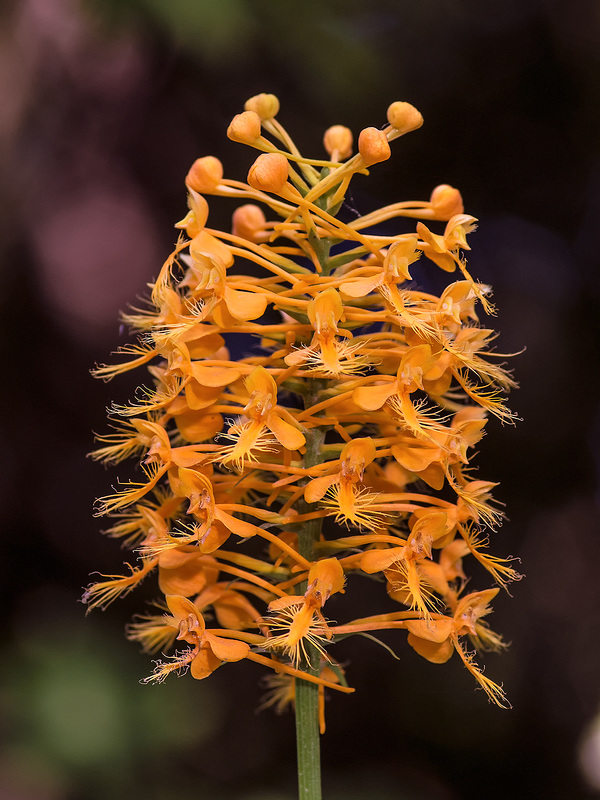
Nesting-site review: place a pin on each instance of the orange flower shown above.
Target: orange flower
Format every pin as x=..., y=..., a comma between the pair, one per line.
x=265, y=425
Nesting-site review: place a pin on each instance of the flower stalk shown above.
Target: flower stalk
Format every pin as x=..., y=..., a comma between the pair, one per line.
x=358, y=402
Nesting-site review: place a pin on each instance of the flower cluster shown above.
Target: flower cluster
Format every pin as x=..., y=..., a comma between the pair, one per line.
x=338, y=444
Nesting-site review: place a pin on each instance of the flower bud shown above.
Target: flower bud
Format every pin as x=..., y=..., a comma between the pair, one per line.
x=205, y=174
x=269, y=172
x=446, y=201
x=265, y=105
x=244, y=127
x=338, y=139
x=373, y=146
x=247, y=221
x=404, y=117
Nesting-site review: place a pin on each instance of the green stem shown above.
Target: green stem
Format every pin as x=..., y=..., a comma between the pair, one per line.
x=307, y=694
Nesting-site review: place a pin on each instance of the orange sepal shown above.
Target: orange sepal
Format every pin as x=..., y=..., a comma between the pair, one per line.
x=370, y=398
x=244, y=305
x=214, y=376
x=237, y=526
x=377, y=560
x=316, y=488
x=205, y=244
x=197, y=427
x=433, y=630
x=227, y=649
x=287, y=436
x=437, y=653
x=205, y=663
x=198, y=396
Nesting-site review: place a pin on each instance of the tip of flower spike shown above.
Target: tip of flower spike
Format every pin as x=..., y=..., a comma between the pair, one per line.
x=244, y=127
x=338, y=142
x=205, y=174
x=265, y=105
x=373, y=146
x=269, y=172
x=404, y=117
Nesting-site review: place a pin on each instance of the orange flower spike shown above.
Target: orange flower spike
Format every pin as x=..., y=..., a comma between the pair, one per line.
x=353, y=451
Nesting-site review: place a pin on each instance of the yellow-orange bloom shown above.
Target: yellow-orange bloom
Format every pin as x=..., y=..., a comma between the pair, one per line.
x=297, y=370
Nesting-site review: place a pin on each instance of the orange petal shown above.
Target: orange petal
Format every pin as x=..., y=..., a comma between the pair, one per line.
x=259, y=380
x=284, y=602
x=327, y=576
x=216, y=535
x=184, y=579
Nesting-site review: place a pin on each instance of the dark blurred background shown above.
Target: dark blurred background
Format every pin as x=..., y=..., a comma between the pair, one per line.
x=104, y=104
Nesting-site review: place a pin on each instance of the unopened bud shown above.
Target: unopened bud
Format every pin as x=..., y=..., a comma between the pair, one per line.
x=247, y=221
x=446, y=201
x=373, y=146
x=404, y=117
x=338, y=139
x=244, y=127
x=269, y=172
x=265, y=105
x=205, y=174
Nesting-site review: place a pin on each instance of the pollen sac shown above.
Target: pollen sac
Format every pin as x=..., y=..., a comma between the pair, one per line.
x=302, y=384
